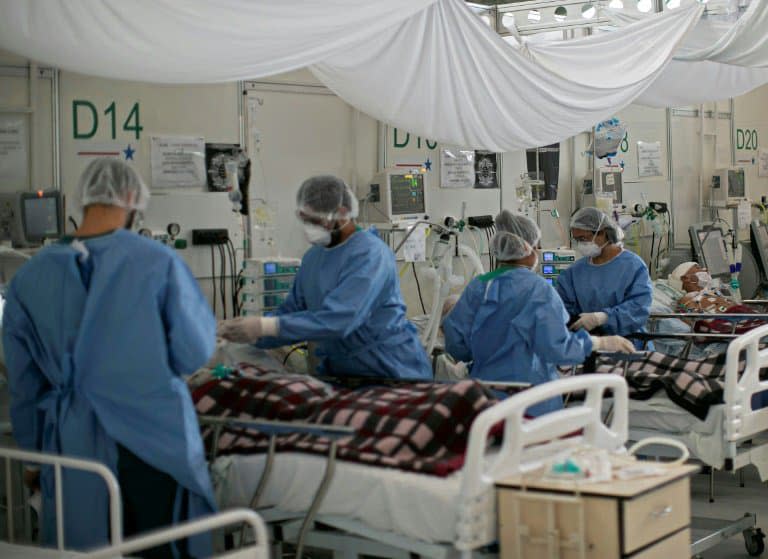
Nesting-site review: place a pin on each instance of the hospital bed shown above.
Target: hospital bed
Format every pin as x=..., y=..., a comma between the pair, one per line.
x=258, y=549
x=393, y=513
x=726, y=439
x=731, y=437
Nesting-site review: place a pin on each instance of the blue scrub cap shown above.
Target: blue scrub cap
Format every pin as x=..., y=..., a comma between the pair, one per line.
x=323, y=196
x=517, y=236
x=592, y=219
x=113, y=183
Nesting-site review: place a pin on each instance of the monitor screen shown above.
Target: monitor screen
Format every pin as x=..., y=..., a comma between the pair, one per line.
x=270, y=267
x=407, y=194
x=736, y=183
x=548, y=257
x=713, y=251
x=548, y=269
x=41, y=217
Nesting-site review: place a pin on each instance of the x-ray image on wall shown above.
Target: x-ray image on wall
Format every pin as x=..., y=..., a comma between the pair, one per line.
x=486, y=169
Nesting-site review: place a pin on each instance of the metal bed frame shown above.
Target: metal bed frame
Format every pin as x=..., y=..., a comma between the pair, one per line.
x=243, y=517
x=741, y=424
x=525, y=444
x=274, y=429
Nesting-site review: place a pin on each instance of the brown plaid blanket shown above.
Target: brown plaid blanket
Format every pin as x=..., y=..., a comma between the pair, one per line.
x=420, y=427
x=692, y=385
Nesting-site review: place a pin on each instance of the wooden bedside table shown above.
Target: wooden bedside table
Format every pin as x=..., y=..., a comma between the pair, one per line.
x=646, y=518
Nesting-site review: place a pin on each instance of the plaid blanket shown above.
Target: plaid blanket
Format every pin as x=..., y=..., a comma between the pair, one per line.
x=692, y=385
x=422, y=427
x=724, y=326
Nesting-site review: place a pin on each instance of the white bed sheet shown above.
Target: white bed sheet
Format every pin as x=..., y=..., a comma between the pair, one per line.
x=660, y=416
x=414, y=505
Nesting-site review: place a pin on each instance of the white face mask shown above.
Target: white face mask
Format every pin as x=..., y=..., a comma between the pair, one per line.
x=316, y=235
x=704, y=279
x=589, y=249
x=535, y=265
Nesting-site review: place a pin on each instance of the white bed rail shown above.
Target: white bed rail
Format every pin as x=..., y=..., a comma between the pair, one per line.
x=527, y=442
x=258, y=550
x=741, y=421
x=9, y=455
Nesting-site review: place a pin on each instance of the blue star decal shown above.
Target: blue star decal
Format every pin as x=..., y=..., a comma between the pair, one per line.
x=129, y=151
x=428, y=164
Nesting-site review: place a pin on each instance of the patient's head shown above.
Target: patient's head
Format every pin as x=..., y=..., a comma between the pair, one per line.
x=690, y=277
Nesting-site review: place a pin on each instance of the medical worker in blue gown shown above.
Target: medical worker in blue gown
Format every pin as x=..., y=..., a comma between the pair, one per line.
x=346, y=295
x=98, y=330
x=608, y=291
x=511, y=325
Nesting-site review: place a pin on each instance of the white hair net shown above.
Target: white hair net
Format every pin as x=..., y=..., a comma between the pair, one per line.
x=113, y=183
x=323, y=196
x=517, y=236
x=592, y=219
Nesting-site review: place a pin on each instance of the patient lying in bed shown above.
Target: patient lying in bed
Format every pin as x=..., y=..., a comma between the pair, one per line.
x=689, y=288
x=694, y=385
x=419, y=427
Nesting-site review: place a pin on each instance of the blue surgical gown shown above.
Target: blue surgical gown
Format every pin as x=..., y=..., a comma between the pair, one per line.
x=347, y=299
x=620, y=288
x=511, y=325
x=95, y=348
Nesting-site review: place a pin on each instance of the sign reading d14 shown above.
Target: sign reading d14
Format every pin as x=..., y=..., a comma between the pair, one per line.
x=85, y=119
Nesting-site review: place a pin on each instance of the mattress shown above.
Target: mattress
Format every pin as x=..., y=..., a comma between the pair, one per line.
x=661, y=414
x=414, y=505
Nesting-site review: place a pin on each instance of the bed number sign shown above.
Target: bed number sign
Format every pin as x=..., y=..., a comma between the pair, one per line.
x=85, y=119
x=747, y=139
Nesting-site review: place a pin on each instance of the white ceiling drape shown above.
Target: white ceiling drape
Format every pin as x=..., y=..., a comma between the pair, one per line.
x=430, y=66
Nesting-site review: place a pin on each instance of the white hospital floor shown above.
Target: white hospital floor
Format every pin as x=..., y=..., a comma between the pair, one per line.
x=731, y=502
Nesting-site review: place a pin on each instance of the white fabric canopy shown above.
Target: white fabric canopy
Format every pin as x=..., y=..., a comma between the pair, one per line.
x=691, y=77
x=690, y=83
x=192, y=41
x=744, y=43
x=429, y=66
x=616, y=59
x=461, y=82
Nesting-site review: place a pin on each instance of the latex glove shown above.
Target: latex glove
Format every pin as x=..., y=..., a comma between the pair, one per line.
x=248, y=329
x=615, y=344
x=590, y=320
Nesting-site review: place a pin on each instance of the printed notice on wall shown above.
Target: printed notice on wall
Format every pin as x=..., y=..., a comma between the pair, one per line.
x=649, y=159
x=457, y=168
x=177, y=162
x=762, y=162
x=13, y=151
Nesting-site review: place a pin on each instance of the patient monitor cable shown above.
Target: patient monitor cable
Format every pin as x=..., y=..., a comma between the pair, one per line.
x=213, y=280
x=223, y=279
x=418, y=288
